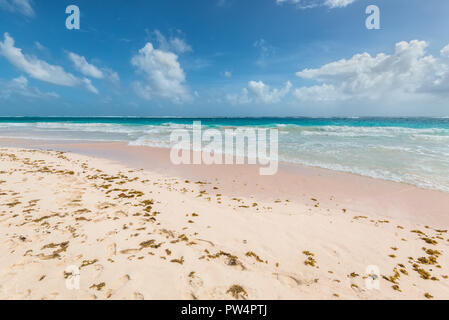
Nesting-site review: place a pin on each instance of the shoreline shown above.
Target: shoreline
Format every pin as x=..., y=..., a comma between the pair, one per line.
x=379, y=197
x=44, y=143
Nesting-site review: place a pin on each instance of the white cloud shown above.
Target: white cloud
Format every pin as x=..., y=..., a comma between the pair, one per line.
x=164, y=76
x=266, y=50
x=228, y=74
x=40, y=46
x=257, y=91
x=21, y=6
x=445, y=51
x=338, y=3
x=89, y=86
x=403, y=74
x=36, y=68
x=84, y=67
x=263, y=93
x=19, y=86
x=307, y=4
x=39, y=69
x=180, y=46
x=91, y=70
x=111, y=74
x=174, y=44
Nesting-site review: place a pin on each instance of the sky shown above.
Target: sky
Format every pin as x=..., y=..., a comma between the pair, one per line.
x=206, y=58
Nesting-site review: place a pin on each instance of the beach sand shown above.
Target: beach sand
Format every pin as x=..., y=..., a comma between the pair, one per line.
x=137, y=227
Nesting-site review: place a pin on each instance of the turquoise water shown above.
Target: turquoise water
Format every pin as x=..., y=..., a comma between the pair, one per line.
x=411, y=150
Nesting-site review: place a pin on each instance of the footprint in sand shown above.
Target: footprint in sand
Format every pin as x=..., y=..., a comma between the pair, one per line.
x=51, y=296
x=11, y=244
x=196, y=284
x=105, y=205
x=120, y=213
x=117, y=285
x=130, y=251
x=195, y=281
x=21, y=295
x=138, y=296
x=292, y=280
x=99, y=270
x=111, y=249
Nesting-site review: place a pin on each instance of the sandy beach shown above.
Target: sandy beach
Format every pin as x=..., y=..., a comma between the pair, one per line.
x=259, y=152
x=129, y=225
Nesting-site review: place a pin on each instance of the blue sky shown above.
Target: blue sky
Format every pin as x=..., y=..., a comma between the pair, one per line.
x=224, y=58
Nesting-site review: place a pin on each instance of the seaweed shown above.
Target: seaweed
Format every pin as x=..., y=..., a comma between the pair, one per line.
x=86, y=263
x=149, y=244
x=422, y=273
x=98, y=287
x=396, y=288
x=238, y=292
x=255, y=256
x=180, y=261
x=429, y=241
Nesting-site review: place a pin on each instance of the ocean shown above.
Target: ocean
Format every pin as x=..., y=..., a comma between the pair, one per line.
x=409, y=150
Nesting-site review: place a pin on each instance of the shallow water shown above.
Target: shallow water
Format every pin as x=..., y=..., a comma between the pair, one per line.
x=410, y=150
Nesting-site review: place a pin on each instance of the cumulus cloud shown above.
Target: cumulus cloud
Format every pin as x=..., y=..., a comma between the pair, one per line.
x=307, y=4
x=88, y=84
x=34, y=67
x=338, y=3
x=88, y=69
x=20, y=6
x=84, y=67
x=39, y=69
x=40, y=46
x=19, y=86
x=111, y=74
x=259, y=92
x=408, y=71
x=445, y=51
x=174, y=44
x=164, y=76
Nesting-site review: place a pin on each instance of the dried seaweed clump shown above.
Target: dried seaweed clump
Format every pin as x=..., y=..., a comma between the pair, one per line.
x=180, y=261
x=231, y=260
x=255, y=256
x=86, y=263
x=149, y=244
x=310, y=259
x=98, y=286
x=238, y=292
x=55, y=254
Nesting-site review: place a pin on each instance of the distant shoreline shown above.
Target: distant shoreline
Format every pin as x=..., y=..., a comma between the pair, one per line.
x=224, y=117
